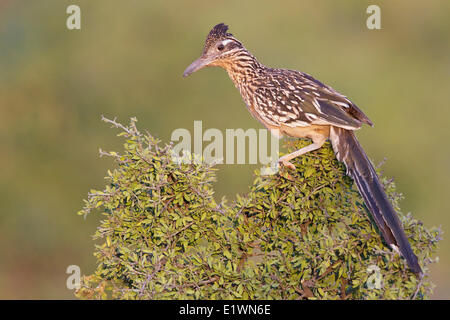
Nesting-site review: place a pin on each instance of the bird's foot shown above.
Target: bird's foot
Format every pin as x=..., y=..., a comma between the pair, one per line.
x=286, y=164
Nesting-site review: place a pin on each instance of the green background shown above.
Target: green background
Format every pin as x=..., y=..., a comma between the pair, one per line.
x=127, y=60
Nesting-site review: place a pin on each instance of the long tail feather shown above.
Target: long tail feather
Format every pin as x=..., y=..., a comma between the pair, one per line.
x=349, y=151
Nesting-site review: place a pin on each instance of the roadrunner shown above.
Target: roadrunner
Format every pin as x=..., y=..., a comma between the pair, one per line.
x=294, y=104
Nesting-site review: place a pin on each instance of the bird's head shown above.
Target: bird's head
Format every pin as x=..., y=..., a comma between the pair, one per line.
x=220, y=50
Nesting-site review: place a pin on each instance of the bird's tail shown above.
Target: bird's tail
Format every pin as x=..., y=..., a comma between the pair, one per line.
x=349, y=151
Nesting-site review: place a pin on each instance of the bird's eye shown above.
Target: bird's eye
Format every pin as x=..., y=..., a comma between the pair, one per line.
x=220, y=47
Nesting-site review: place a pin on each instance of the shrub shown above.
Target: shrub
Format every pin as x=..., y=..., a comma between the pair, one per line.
x=296, y=234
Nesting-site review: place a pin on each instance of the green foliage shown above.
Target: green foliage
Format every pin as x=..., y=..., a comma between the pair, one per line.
x=296, y=234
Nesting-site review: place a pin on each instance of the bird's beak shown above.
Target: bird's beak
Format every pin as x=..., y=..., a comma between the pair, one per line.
x=196, y=65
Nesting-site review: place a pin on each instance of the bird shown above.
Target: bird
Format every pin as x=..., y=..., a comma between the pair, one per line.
x=294, y=104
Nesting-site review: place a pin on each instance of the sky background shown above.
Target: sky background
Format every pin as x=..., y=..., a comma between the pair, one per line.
x=127, y=60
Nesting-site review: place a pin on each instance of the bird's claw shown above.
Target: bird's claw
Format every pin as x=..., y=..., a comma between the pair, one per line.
x=286, y=164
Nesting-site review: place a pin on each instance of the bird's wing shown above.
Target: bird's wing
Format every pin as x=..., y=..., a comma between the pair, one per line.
x=296, y=99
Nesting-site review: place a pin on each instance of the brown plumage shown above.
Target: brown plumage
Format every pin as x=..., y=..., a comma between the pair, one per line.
x=295, y=104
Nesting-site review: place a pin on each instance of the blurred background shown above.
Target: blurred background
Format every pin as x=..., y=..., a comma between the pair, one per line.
x=127, y=60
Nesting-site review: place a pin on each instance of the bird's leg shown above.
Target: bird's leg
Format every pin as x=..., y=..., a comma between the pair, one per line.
x=284, y=160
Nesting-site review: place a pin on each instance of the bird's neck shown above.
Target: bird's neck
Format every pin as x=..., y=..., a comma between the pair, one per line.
x=246, y=72
x=243, y=69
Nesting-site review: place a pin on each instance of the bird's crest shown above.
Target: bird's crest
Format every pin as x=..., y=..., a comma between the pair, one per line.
x=218, y=32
